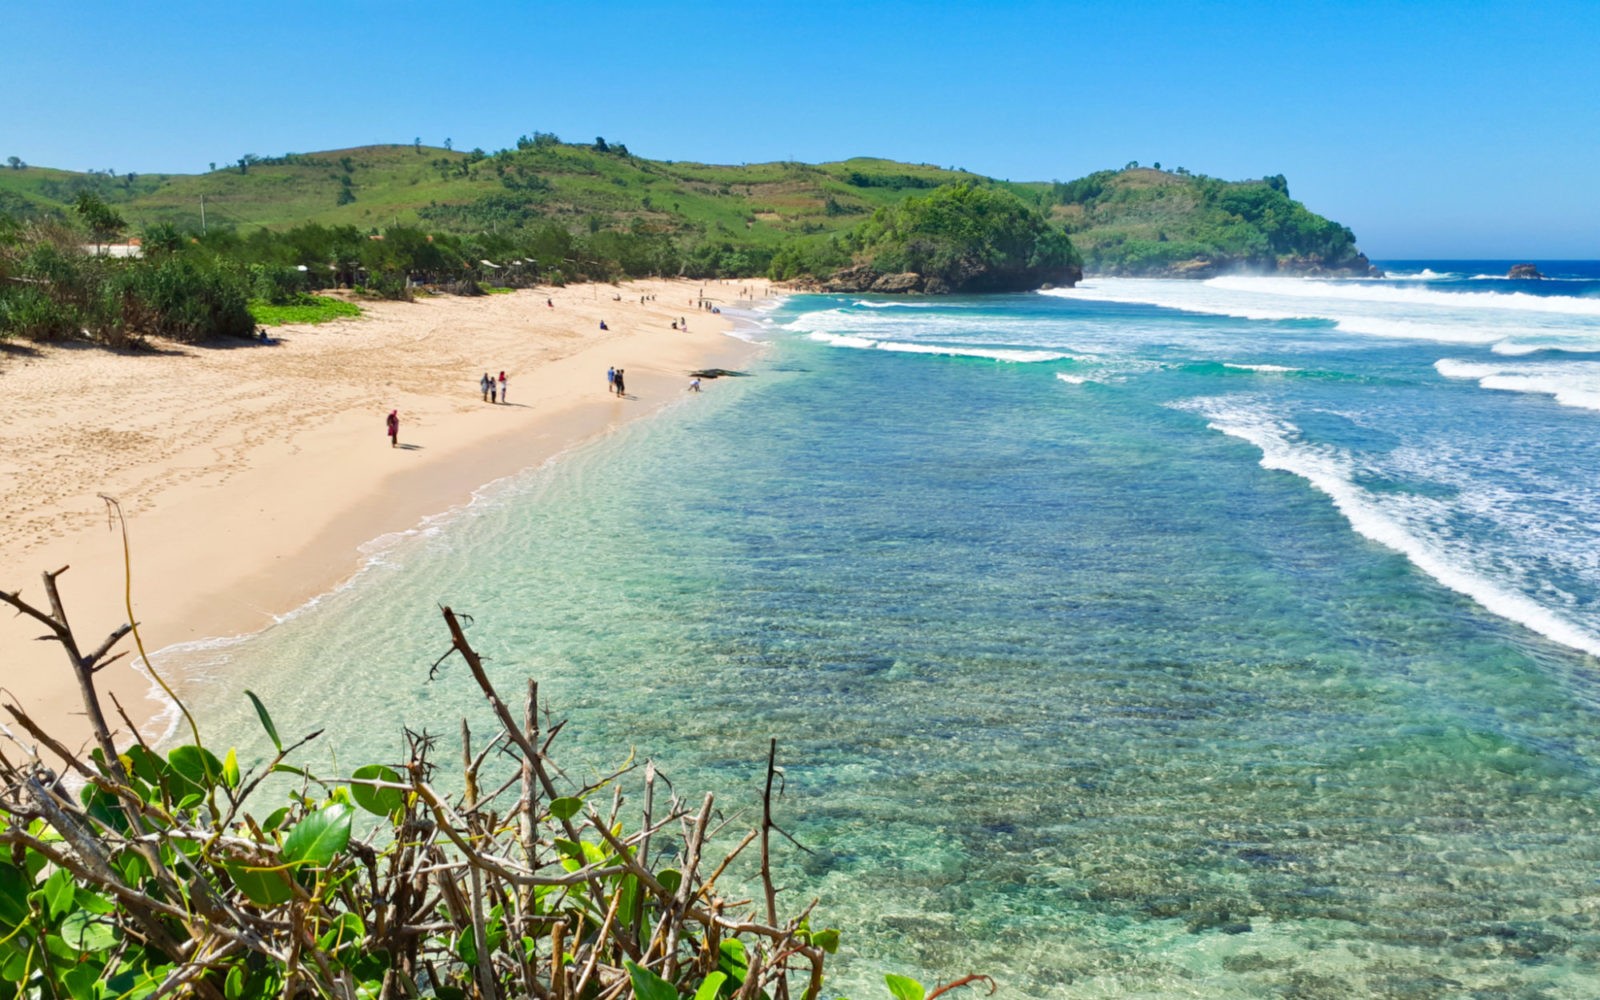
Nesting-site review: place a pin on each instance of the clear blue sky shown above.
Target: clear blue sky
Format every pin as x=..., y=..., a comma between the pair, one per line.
x=1432, y=129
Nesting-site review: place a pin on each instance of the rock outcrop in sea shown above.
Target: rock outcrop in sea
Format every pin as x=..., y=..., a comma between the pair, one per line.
x=1524, y=271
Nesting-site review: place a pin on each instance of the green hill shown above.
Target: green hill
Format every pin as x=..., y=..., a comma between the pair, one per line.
x=787, y=219
x=1141, y=221
x=588, y=187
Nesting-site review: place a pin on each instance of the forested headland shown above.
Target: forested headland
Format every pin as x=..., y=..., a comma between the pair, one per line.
x=253, y=239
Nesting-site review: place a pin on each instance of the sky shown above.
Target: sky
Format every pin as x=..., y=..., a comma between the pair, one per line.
x=1432, y=129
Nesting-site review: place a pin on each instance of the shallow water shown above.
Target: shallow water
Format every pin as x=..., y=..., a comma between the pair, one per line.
x=1150, y=639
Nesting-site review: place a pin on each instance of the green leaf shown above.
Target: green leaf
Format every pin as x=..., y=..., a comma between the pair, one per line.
x=93, y=902
x=261, y=886
x=378, y=801
x=274, y=819
x=230, y=768
x=82, y=982
x=145, y=765
x=343, y=932
x=233, y=987
x=733, y=960
x=58, y=892
x=708, y=989
x=266, y=720
x=827, y=939
x=196, y=765
x=82, y=932
x=565, y=808
x=904, y=988
x=14, y=963
x=649, y=986
x=467, y=948
x=132, y=866
x=670, y=879
x=318, y=837
x=14, y=888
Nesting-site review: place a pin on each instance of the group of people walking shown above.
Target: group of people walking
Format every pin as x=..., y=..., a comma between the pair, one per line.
x=488, y=384
x=614, y=382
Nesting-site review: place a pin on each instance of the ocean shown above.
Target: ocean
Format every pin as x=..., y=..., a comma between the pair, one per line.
x=1232, y=638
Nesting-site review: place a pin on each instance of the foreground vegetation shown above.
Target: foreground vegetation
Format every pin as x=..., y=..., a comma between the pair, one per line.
x=170, y=874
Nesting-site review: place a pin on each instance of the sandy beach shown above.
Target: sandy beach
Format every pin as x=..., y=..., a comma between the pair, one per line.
x=251, y=474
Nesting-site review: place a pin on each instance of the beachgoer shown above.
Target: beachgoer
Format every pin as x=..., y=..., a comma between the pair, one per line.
x=502, y=387
x=486, y=385
x=620, y=390
x=611, y=379
x=674, y=324
x=547, y=302
x=603, y=325
x=694, y=385
x=394, y=428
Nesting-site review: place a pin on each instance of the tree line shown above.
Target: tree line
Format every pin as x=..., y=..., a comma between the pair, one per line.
x=57, y=282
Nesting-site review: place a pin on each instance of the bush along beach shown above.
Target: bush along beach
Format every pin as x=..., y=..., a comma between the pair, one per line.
x=128, y=872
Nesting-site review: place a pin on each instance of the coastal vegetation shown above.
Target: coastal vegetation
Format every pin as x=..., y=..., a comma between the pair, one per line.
x=384, y=220
x=1147, y=221
x=127, y=872
x=960, y=237
x=302, y=309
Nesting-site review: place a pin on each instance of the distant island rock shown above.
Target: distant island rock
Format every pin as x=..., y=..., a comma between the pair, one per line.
x=1524, y=271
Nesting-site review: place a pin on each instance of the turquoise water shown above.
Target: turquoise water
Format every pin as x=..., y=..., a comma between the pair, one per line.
x=1223, y=639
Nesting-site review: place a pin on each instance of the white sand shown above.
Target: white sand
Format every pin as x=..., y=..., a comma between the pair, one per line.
x=251, y=474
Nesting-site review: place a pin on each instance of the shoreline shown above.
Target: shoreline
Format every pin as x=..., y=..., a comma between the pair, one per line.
x=235, y=464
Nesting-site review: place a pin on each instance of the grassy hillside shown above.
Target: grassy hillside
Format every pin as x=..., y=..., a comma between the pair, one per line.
x=373, y=187
x=1136, y=221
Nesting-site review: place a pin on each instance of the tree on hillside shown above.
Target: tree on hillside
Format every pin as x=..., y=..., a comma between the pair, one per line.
x=964, y=236
x=102, y=220
x=15, y=162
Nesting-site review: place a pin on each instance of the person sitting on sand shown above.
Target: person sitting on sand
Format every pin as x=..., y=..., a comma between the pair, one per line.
x=603, y=325
x=394, y=428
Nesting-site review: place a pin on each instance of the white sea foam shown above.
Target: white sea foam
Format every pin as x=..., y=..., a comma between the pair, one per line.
x=1569, y=383
x=993, y=354
x=1330, y=471
x=1073, y=379
x=947, y=350
x=1259, y=368
x=1370, y=309
x=1302, y=288
x=842, y=340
